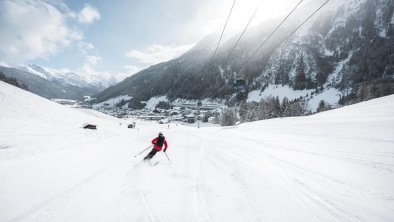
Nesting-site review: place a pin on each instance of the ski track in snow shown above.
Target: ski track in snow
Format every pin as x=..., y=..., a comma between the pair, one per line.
x=323, y=179
x=292, y=185
x=42, y=208
x=334, y=166
x=234, y=166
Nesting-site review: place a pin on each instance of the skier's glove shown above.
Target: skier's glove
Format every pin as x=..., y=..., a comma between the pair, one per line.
x=165, y=149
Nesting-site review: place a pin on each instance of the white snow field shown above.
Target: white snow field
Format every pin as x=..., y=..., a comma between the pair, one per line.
x=333, y=166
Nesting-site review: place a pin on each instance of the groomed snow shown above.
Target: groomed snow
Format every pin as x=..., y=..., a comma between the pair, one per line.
x=152, y=102
x=330, y=96
x=277, y=90
x=333, y=166
x=113, y=101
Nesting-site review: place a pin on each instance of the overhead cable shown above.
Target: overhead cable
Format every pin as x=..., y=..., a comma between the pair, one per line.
x=243, y=32
x=224, y=28
x=265, y=41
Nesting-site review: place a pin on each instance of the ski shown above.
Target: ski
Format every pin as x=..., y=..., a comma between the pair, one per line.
x=152, y=164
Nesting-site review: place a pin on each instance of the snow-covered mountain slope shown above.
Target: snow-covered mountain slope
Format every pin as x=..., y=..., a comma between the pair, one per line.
x=341, y=46
x=334, y=166
x=346, y=46
x=42, y=121
x=52, y=84
x=65, y=76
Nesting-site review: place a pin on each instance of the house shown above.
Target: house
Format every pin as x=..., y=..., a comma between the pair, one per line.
x=211, y=119
x=163, y=121
x=190, y=118
x=89, y=126
x=131, y=125
x=177, y=118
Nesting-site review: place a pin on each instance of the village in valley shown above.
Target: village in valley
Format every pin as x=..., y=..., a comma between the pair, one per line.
x=188, y=113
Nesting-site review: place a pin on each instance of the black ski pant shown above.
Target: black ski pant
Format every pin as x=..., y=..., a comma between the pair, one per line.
x=151, y=154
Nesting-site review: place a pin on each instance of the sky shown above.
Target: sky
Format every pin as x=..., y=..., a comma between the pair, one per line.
x=117, y=38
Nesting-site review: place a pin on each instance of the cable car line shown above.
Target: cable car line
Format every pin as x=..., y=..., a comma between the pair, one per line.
x=265, y=41
x=243, y=32
x=224, y=28
x=304, y=22
x=238, y=83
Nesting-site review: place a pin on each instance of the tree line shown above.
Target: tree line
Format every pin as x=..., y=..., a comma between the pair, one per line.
x=267, y=108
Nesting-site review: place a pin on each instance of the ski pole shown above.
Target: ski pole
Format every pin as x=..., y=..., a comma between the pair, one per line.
x=143, y=151
x=167, y=157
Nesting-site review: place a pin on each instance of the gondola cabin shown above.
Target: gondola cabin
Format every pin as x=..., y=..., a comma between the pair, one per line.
x=239, y=86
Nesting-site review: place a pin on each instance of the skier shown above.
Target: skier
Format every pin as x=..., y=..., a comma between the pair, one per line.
x=158, y=143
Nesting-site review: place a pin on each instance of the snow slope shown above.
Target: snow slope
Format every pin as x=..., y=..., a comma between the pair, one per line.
x=277, y=90
x=333, y=166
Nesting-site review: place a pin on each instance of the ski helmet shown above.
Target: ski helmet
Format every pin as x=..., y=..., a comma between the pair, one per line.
x=160, y=134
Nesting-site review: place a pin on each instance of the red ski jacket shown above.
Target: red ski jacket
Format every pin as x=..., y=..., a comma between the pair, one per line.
x=158, y=148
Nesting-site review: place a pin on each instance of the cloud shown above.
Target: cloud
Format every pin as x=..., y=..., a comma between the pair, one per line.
x=132, y=69
x=32, y=29
x=158, y=53
x=84, y=47
x=121, y=76
x=2, y=63
x=89, y=70
x=93, y=59
x=41, y=34
x=88, y=14
x=91, y=62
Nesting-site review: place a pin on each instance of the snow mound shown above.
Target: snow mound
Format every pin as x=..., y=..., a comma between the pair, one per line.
x=32, y=124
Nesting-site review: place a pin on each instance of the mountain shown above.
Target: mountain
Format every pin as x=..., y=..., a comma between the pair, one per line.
x=349, y=48
x=64, y=77
x=346, y=47
x=333, y=166
x=52, y=84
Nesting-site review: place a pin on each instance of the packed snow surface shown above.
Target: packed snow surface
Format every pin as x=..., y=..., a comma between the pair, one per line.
x=334, y=166
x=152, y=102
x=113, y=101
x=330, y=96
x=277, y=90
